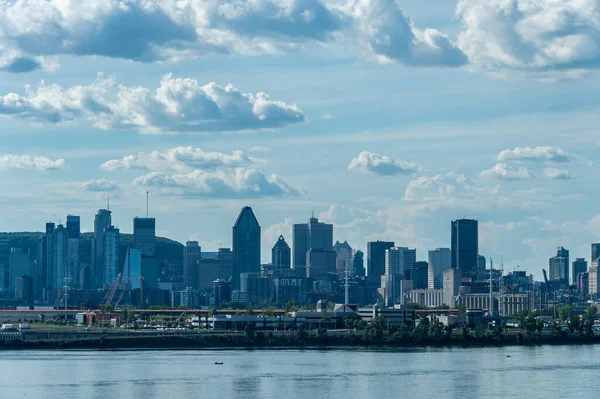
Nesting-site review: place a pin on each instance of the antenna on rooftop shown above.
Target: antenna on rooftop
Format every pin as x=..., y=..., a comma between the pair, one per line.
x=147, y=204
x=108, y=201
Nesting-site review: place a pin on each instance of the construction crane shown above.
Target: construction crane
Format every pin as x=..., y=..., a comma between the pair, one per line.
x=548, y=293
x=108, y=298
x=59, y=221
x=123, y=292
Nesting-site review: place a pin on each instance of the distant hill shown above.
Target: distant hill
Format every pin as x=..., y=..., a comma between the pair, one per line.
x=168, y=252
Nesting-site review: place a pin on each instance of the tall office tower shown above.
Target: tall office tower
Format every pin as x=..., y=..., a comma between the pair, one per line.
x=60, y=240
x=41, y=260
x=419, y=275
x=358, y=264
x=376, y=265
x=451, y=284
x=595, y=252
x=19, y=266
x=465, y=246
x=111, y=255
x=207, y=271
x=311, y=235
x=583, y=283
x=481, y=262
x=132, y=268
x=281, y=254
x=73, y=233
x=48, y=279
x=101, y=221
x=144, y=236
x=225, y=257
x=343, y=259
x=580, y=265
x=4, y=264
x=320, y=263
x=440, y=259
x=559, y=266
x=399, y=262
x=191, y=256
x=246, y=245
x=593, y=280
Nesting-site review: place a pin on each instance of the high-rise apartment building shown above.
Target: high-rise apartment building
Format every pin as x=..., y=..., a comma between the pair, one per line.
x=311, y=235
x=399, y=262
x=595, y=252
x=61, y=257
x=225, y=257
x=111, y=254
x=558, y=266
x=101, y=221
x=439, y=260
x=579, y=265
x=465, y=246
x=343, y=260
x=281, y=254
x=246, y=245
x=419, y=275
x=19, y=265
x=358, y=264
x=191, y=256
x=48, y=267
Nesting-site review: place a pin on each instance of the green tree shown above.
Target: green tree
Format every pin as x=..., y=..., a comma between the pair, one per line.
x=290, y=307
x=421, y=332
x=106, y=309
x=436, y=329
x=322, y=334
x=250, y=310
x=564, y=312
x=591, y=313
x=250, y=330
x=301, y=334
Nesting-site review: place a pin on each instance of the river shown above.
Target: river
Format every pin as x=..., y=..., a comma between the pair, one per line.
x=529, y=372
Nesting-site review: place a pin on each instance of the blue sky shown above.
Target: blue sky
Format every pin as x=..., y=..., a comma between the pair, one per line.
x=386, y=118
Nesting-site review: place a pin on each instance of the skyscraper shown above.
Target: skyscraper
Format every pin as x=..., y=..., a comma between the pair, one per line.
x=132, y=268
x=343, y=259
x=579, y=266
x=465, y=246
x=101, y=221
x=20, y=265
x=559, y=266
x=225, y=257
x=61, y=256
x=111, y=254
x=376, y=265
x=595, y=252
x=281, y=254
x=439, y=260
x=358, y=264
x=73, y=233
x=246, y=245
x=48, y=266
x=399, y=261
x=144, y=236
x=311, y=235
x=4, y=264
x=191, y=256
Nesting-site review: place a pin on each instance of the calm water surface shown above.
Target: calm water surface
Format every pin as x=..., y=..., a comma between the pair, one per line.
x=531, y=372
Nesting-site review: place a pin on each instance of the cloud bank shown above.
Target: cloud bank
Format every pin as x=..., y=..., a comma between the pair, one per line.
x=11, y=161
x=381, y=165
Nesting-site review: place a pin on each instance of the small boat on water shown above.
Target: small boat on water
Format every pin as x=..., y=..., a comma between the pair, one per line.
x=218, y=362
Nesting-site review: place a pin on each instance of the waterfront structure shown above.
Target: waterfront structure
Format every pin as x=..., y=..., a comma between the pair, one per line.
x=465, y=246
x=246, y=245
x=579, y=265
x=440, y=259
x=281, y=255
x=311, y=235
x=191, y=255
x=376, y=265
x=111, y=263
x=559, y=266
x=101, y=221
x=73, y=235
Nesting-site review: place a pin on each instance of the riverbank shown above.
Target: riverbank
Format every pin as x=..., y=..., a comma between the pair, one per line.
x=267, y=341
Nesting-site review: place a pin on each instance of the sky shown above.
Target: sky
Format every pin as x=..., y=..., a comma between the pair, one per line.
x=386, y=118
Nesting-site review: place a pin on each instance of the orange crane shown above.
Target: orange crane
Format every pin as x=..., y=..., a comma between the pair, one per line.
x=108, y=298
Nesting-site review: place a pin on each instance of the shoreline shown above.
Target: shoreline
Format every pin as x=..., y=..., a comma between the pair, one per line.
x=232, y=343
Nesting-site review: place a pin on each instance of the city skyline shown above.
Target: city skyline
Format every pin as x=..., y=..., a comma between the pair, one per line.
x=384, y=139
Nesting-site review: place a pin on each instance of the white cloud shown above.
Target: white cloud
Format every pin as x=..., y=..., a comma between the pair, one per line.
x=550, y=37
x=328, y=116
x=99, y=185
x=536, y=154
x=270, y=235
x=392, y=37
x=382, y=165
x=179, y=159
x=443, y=185
x=560, y=174
x=178, y=105
x=258, y=148
x=504, y=172
x=11, y=161
x=236, y=183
